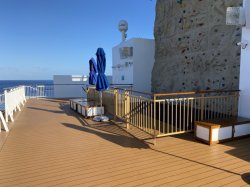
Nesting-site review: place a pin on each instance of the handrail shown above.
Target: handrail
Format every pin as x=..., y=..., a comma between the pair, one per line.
x=8, y=88
x=139, y=92
x=65, y=85
x=194, y=93
x=178, y=93
x=122, y=84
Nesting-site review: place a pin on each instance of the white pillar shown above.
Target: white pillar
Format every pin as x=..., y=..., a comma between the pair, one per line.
x=244, y=100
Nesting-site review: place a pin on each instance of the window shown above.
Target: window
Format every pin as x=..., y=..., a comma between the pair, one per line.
x=126, y=52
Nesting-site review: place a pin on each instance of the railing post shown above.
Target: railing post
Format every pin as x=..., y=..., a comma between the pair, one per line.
x=5, y=106
x=202, y=106
x=154, y=120
x=87, y=93
x=127, y=108
x=3, y=122
x=37, y=92
x=115, y=104
x=96, y=96
x=235, y=103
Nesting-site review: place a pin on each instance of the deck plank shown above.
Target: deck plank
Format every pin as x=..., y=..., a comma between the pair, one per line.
x=50, y=145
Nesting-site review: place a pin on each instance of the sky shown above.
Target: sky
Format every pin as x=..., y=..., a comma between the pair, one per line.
x=42, y=38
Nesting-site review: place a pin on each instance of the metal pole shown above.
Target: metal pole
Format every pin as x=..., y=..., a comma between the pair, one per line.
x=101, y=100
x=6, y=107
x=127, y=108
x=154, y=120
x=115, y=104
x=202, y=106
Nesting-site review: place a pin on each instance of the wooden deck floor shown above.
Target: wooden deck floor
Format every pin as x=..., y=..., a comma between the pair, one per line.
x=50, y=145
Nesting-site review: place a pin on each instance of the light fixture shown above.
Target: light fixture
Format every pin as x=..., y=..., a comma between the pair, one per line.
x=243, y=44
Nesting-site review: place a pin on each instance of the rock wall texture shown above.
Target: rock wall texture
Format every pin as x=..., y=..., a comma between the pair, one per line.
x=195, y=49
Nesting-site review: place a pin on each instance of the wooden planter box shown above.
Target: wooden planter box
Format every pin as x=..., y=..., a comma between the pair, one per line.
x=216, y=131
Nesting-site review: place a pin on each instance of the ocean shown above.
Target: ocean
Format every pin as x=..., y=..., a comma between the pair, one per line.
x=13, y=83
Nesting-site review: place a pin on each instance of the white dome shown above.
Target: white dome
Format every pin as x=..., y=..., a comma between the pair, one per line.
x=123, y=26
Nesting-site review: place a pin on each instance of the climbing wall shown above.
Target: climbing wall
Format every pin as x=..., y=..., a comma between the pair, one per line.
x=195, y=49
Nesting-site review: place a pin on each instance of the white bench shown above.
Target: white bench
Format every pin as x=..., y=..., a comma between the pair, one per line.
x=220, y=130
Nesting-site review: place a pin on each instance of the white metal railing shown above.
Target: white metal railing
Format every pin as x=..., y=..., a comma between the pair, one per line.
x=53, y=91
x=2, y=108
x=14, y=98
x=39, y=91
x=1, y=98
x=10, y=102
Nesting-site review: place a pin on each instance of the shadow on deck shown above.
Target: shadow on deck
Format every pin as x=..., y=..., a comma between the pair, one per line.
x=52, y=145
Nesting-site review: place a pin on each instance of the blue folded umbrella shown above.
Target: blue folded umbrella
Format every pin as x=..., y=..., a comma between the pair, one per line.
x=92, y=71
x=102, y=82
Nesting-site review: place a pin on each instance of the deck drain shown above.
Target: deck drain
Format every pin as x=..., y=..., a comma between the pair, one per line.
x=246, y=177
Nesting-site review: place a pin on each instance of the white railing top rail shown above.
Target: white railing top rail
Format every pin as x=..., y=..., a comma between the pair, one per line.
x=12, y=87
x=53, y=90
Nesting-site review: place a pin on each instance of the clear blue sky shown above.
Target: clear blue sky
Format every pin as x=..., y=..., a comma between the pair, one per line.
x=40, y=38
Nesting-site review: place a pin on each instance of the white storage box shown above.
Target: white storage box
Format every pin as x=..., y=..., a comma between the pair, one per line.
x=89, y=111
x=73, y=104
x=86, y=108
x=219, y=130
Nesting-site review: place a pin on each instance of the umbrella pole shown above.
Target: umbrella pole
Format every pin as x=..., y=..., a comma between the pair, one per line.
x=101, y=100
x=101, y=117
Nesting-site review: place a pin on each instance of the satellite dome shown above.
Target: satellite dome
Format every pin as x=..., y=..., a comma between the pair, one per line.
x=123, y=26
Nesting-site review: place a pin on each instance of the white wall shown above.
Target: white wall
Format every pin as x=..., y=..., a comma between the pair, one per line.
x=69, y=86
x=125, y=72
x=139, y=71
x=244, y=101
x=144, y=52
